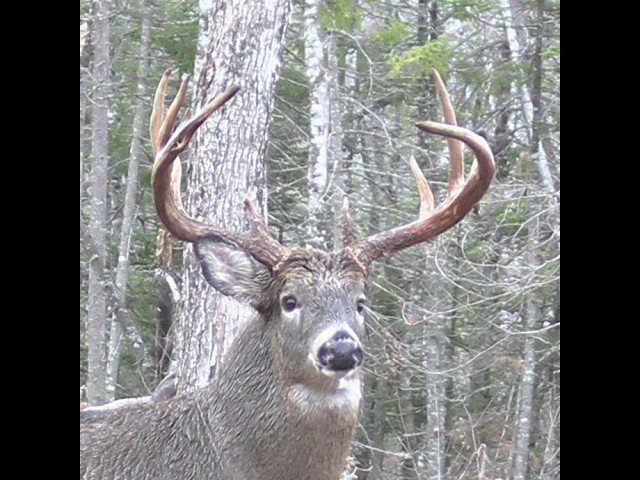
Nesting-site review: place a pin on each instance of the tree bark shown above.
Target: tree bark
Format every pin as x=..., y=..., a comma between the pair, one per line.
x=124, y=322
x=524, y=412
x=239, y=42
x=97, y=308
x=538, y=153
x=336, y=134
x=318, y=80
x=550, y=425
x=436, y=359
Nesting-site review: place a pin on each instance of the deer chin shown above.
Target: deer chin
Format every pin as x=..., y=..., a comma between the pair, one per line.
x=338, y=374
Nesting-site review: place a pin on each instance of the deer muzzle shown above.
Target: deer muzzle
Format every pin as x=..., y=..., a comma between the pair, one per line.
x=340, y=354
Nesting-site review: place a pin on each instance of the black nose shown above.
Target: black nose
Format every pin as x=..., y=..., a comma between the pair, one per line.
x=340, y=352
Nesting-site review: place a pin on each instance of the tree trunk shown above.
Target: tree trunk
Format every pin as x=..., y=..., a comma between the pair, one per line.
x=318, y=80
x=524, y=413
x=336, y=155
x=84, y=31
x=167, y=299
x=531, y=93
x=435, y=361
x=240, y=43
x=516, y=14
x=124, y=322
x=550, y=426
x=96, y=311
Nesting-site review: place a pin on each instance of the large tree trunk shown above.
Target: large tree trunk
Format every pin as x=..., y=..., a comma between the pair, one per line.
x=239, y=42
x=96, y=311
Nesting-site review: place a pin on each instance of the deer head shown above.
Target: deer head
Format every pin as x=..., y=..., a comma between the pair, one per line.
x=255, y=268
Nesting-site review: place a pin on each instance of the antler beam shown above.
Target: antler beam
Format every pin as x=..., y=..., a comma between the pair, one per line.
x=165, y=178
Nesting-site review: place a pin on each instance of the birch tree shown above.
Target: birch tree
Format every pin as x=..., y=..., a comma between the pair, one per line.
x=123, y=320
x=524, y=27
x=97, y=230
x=318, y=80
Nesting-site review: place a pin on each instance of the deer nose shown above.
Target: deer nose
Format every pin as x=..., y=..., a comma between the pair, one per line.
x=341, y=352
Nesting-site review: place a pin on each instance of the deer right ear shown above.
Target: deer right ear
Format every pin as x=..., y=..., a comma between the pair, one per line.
x=232, y=271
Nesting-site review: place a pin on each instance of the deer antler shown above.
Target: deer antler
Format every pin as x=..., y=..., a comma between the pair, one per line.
x=461, y=195
x=166, y=174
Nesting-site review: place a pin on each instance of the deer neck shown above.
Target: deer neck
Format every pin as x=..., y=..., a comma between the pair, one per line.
x=278, y=426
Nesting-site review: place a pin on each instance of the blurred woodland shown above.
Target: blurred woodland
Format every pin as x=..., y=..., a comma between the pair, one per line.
x=462, y=372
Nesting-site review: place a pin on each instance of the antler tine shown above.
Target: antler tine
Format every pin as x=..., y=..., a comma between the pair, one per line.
x=157, y=112
x=461, y=195
x=161, y=125
x=165, y=178
x=424, y=191
x=349, y=228
x=456, y=159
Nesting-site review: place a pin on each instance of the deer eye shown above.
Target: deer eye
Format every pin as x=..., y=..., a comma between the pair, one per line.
x=360, y=304
x=289, y=303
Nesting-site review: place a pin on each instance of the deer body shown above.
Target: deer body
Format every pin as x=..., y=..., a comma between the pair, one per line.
x=288, y=398
x=259, y=432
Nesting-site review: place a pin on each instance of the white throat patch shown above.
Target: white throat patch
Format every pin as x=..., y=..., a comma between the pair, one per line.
x=347, y=395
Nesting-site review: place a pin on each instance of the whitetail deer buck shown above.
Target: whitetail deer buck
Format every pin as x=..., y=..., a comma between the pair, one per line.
x=288, y=398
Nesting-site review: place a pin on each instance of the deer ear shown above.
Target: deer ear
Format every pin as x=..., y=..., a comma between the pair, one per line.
x=232, y=271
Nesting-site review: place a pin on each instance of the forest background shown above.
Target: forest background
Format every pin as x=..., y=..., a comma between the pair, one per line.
x=463, y=361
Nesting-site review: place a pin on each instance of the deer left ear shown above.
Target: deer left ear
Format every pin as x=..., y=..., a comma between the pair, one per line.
x=232, y=271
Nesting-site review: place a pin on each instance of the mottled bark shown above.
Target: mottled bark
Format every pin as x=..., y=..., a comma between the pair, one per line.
x=240, y=43
x=435, y=390
x=167, y=298
x=550, y=426
x=338, y=174
x=524, y=412
x=435, y=359
x=537, y=119
x=97, y=308
x=524, y=34
x=318, y=80
x=516, y=18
